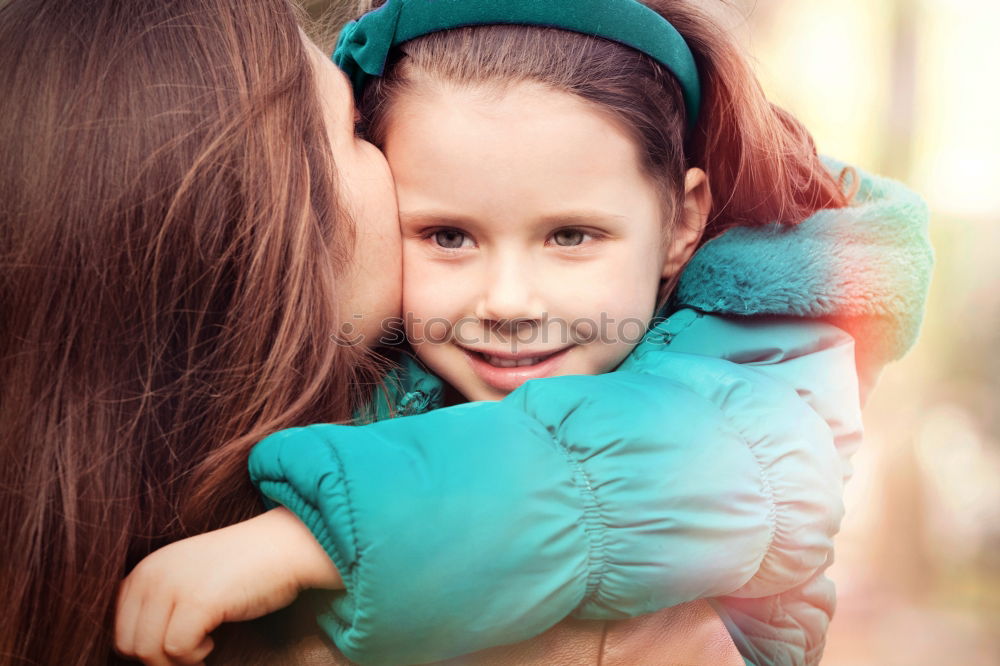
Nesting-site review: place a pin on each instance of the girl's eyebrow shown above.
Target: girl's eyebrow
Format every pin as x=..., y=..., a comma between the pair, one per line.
x=562, y=218
x=432, y=218
x=582, y=217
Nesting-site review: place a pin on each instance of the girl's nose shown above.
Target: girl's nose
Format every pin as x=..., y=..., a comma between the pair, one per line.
x=509, y=294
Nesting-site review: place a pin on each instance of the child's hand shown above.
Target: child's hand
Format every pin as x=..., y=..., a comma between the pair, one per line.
x=176, y=596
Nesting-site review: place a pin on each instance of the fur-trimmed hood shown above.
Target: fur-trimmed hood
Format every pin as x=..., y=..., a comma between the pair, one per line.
x=865, y=268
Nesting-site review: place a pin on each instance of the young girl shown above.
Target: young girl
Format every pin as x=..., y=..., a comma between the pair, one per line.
x=552, y=183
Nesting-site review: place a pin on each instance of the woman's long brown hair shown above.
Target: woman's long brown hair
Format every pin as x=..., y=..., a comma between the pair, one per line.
x=170, y=245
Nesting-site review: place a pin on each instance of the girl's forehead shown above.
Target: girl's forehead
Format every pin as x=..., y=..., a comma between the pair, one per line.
x=531, y=154
x=526, y=127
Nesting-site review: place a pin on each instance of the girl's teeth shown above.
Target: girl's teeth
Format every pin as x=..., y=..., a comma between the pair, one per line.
x=511, y=363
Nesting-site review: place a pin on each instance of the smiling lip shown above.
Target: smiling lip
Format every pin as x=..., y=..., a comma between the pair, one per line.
x=505, y=371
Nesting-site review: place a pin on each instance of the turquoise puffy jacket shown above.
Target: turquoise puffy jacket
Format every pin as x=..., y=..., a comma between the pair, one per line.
x=710, y=464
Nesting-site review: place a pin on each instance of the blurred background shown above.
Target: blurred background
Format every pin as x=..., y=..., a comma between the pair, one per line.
x=901, y=87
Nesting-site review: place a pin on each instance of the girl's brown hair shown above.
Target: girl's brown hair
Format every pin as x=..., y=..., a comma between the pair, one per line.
x=170, y=245
x=761, y=163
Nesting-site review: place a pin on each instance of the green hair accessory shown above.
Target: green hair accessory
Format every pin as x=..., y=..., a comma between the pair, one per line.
x=364, y=44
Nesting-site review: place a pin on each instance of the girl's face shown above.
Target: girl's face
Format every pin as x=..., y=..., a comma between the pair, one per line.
x=371, y=286
x=533, y=243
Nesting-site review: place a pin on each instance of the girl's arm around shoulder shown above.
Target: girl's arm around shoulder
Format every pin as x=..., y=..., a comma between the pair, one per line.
x=811, y=356
x=610, y=495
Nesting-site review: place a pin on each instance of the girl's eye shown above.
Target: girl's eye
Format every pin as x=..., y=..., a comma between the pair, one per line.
x=569, y=237
x=450, y=239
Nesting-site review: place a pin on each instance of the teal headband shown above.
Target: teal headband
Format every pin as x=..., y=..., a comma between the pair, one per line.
x=364, y=44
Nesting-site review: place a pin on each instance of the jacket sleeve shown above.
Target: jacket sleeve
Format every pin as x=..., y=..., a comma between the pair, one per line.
x=482, y=524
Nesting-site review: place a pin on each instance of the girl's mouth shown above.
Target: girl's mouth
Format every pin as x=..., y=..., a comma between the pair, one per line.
x=505, y=371
x=499, y=362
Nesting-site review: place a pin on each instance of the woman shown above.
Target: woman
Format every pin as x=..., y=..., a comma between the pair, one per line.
x=187, y=221
x=184, y=224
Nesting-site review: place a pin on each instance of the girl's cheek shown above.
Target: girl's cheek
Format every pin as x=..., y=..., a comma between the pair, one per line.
x=429, y=292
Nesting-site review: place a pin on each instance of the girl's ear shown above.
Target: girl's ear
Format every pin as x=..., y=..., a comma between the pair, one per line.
x=690, y=226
